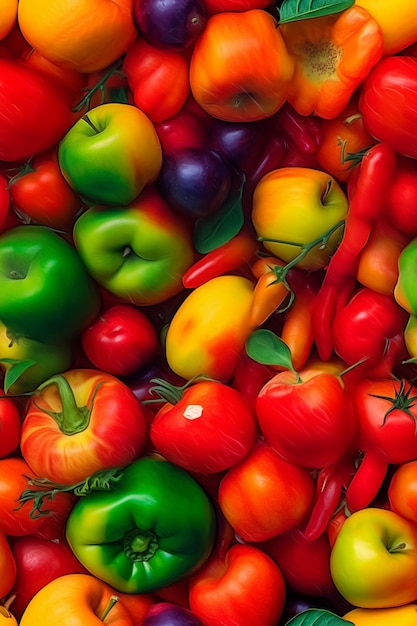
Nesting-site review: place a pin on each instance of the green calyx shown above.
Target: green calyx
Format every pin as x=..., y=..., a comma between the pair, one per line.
x=73, y=418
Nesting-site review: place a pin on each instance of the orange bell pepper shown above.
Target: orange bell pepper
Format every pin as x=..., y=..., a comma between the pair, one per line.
x=332, y=54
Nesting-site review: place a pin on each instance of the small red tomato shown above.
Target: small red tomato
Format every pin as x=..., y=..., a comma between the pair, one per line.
x=264, y=495
x=120, y=341
x=10, y=426
x=208, y=430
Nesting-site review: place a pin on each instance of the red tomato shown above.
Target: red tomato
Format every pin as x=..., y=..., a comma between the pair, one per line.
x=305, y=564
x=81, y=422
x=8, y=567
x=400, y=205
x=307, y=417
x=10, y=426
x=41, y=193
x=121, y=340
x=245, y=587
x=371, y=326
x=38, y=562
x=264, y=495
x=209, y=429
x=16, y=521
x=387, y=418
x=387, y=103
x=387, y=434
x=35, y=112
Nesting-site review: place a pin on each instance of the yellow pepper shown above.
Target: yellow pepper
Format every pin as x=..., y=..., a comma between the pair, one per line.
x=397, y=20
x=333, y=54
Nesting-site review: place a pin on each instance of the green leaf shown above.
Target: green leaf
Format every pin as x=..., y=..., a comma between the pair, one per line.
x=295, y=10
x=317, y=617
x=17, y=369
x=266, y=347
x=213, y=231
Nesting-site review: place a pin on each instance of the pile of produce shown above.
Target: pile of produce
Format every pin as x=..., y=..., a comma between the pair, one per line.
x=208, y=312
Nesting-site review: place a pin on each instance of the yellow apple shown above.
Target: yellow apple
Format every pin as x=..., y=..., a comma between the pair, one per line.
x=373, y=562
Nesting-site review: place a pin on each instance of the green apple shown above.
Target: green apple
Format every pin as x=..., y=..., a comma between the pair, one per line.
x=110, y=154
x=46, y=292
x=139, y=252
x=373, y=561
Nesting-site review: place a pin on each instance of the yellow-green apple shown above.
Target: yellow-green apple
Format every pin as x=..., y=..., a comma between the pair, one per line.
x=299, y=206
x=373, y=561
x=110, y=154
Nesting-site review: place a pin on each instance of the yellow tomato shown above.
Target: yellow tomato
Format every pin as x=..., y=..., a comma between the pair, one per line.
x=397, y=21
x=208, y=331
x=398, y=616
x=85, y=35
x=8, y=16
x=299, y=205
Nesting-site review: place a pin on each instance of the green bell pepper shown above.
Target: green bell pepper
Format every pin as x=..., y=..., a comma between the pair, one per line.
x=154, y=526
x=46, y=292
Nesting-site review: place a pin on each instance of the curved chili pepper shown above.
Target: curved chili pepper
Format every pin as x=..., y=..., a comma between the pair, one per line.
x=227, y=257
x=366, y=204
x=330, y=484
x=367, y=481
x=297, y=330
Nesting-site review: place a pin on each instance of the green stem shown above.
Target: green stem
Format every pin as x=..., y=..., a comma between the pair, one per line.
x=322, y=240
x=113, y=600
x=73, y=418
x=86, y=101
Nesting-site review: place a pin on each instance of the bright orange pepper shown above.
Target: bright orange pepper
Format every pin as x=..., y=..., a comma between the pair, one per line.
x=269, y=293
x=333, y=54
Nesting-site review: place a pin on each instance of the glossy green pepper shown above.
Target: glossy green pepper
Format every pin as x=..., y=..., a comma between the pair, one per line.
x=46, y=292
x=155, y=526
x=405, y=291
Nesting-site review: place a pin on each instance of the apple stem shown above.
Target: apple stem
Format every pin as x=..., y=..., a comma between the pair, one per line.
x=113, y=600
x=398, y=548
x=90, y=123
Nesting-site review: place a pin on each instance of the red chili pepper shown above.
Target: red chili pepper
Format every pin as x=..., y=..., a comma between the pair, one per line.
x=330, y=484
x=226, y=258
x=366, y=204
x=366, y=482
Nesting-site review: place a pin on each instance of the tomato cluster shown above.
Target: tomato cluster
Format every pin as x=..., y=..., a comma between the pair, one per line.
x=208, y=313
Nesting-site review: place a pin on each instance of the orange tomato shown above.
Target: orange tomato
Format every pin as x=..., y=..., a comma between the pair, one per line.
x=240, y=68
x=264, y=495
x=378, y=261
x=340, y=139
x=8, y=16
x=83, y=35
x=402, y=491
